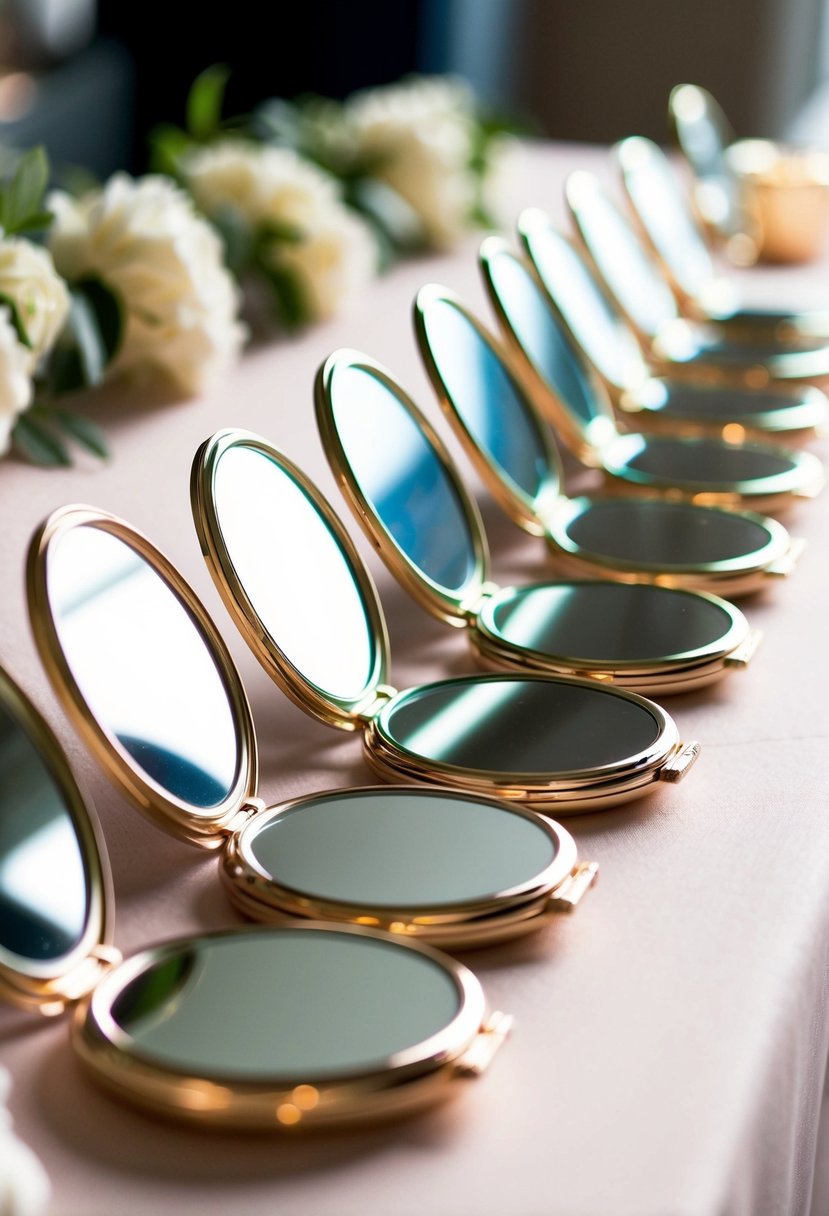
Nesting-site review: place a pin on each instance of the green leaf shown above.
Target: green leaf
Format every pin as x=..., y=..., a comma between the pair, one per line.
x=388, y=211
x=36, y=222
x=236, y=236
x=277, y=122
x=204, y=102
x=95, y=326
x=39, y=444
x=167, y=147
x=289, y=300
x=23, y=196
x=275, y=232
x=88, y=434
x=108, y=309
x=16, y=319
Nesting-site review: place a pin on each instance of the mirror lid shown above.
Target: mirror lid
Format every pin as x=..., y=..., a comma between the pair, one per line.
x=344, y=712
x=529, y=511
x=50, y=984
x=583, y=435
x=175, y=815
x=455, y=605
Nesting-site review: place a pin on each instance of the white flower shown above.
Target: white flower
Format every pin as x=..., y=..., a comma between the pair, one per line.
x=263, y=184
x=146, y=243
x=15, y=382
x=332, y=263
x=335, y=254
x=24, y=1187
x=29, y=280
x=421, y=133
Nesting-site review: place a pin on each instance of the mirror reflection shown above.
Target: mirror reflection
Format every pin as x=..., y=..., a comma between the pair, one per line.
x=530, y=317
x=484, y=396
x=608, y=621
x=696, y=462
x=308, y=1003
x=141, y=665
x=518, y=725
x=44, y=894
x=668, y=535
x=605, y=339
x=396, y=848
x=399, y=474
x=294, y=571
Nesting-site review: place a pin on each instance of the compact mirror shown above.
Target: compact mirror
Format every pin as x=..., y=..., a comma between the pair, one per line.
x=633, y=541
x=479, y=733
x=539, y=871
x=577, y=628
x=742, y=473
x=234, y=1028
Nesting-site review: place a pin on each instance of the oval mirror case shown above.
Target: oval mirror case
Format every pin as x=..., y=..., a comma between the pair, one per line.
x=134, y=655
x=643, y=637
x=307, y=606
x=231, y=1029
x=624, y=538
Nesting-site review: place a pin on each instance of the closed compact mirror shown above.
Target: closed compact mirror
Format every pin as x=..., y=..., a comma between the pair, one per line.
x=519, y=628
x=482, y=732
x=234, y=1028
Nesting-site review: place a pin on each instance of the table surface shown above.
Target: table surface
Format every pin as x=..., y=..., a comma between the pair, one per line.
x=670, y=1038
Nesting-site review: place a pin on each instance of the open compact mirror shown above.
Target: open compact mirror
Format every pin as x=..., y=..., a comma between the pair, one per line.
x=640, y=636
x=305, y=603
x=730, y=471
x=669, y=226
x=633, y=279
x=311, y=1025
x=168, y=717
x=708, y=470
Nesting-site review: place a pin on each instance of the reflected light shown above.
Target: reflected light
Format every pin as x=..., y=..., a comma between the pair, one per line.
x=52, y=854
x=468, y=707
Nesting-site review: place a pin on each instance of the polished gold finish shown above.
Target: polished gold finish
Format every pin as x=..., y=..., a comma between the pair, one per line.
x=162, y=808
x=344, y=714
x=405, y=1083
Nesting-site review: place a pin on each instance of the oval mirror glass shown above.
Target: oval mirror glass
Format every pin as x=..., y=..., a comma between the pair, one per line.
x=294, y=571
x=44, y=883
x=402, y=848
x=399, y=474
x=484, y=395
x=704, y=463
x=292, y=1003
x=664, y=535
x=602, y=335
x=520, y=726
x=530, y=318
x=609, y=622
x=142, y=665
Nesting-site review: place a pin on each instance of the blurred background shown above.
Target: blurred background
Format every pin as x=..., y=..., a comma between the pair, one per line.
x=89, y=81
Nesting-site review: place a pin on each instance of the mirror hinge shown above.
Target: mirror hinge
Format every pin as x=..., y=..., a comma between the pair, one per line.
x=489, y=1039
x=785, y=564
x=680, y=762
x=742, y=655
x=471, y=607
x=250, y=807
x=578, y=882
x=367, y=710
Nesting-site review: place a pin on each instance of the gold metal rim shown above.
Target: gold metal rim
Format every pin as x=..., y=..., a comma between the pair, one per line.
x=507, y=493
x=26, y=981
x=803, y=421
x=343, y=713
x=440, y=601
x=180, y=818
x=404, y=1082
x=462, y=923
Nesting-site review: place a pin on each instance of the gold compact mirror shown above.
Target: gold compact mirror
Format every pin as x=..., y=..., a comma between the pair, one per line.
x=669, y=226
x=312, y=1025
x=298, y=590
x=425, y=526
x=699, y=469
x=633, y=279
x=168, y=717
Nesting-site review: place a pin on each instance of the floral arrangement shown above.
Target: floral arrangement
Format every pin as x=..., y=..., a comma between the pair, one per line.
x=148, y=277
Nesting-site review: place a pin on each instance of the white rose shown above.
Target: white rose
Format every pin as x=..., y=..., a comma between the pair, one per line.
x=15, y=383
x=421, y=133
x=332, y=263
x=24, y=1187
x=263, y=184
x=146, y=243
x=29, y=280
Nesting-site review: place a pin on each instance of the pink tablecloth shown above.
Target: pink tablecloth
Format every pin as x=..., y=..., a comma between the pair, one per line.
x=671, y=1038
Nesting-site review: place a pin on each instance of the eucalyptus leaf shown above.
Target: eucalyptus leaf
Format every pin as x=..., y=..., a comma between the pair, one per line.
x=109, y=312
x=23, y=197
x=237, y=238
x=86, y=433
x=38, y=221
x=289, y=300
x=388, y=211
x=168, y=144
x=204, y=102
x=95, y=325
x=38, y=443
x=279, y=122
